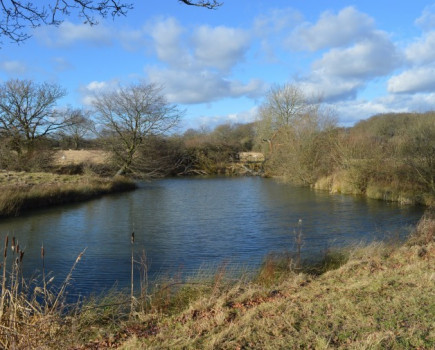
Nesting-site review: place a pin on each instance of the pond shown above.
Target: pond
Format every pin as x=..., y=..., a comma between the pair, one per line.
x=185, y=224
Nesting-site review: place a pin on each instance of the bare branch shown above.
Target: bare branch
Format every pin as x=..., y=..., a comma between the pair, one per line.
x=211, y=5
x=129, y=116
x=17, y=16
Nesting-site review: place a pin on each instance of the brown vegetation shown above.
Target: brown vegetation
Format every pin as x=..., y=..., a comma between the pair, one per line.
x=379, y=296
x=389, y=157
x=24, y=191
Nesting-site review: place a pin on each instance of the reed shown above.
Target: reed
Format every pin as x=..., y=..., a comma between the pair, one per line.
x=24, y=306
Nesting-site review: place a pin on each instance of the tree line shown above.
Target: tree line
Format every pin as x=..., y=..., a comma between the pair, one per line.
x=134, y=123
x=393, y=152
x=300, y=138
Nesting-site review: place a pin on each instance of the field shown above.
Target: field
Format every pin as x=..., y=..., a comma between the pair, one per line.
x=67, y=157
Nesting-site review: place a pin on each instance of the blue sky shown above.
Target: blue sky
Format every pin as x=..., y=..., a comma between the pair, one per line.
x=361, y=58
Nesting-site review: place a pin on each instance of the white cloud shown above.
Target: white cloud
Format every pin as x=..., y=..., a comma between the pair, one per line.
x=423, y=50
x=89, y=91
x=13, y=67
x=329, y=88
x=167, y=36
x=220, y=47
x=350, y=112
x=210, y=122
x=331, y=30
x=195, y=86
x=341, y=72
x=69, y=33
x=427, y=20
x=372, y=57
x=421, y=79
x=195, y=66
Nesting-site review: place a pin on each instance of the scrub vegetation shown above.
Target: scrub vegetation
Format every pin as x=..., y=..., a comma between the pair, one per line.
x=388, y=156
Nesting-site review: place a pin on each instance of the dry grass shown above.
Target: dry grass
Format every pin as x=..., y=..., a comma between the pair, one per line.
x=68, y=157
x=380, y=297
x=383, y=297
x=403, y=192
x=24, y=191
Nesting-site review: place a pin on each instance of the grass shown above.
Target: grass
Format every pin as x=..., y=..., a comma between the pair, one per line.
x=20, y=191
x=379, y=296
x=402, y=192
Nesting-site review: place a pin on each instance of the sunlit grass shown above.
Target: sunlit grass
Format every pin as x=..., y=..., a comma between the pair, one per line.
x=363, y=297
x=22, y=191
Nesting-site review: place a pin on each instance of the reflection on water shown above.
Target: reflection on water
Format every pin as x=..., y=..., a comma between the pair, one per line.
x=184, y=224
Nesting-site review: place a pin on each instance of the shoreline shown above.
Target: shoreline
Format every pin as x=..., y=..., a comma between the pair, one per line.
x=23, y=192
x=364, y=297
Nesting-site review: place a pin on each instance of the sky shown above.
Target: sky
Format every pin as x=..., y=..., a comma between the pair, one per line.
x=359, y=58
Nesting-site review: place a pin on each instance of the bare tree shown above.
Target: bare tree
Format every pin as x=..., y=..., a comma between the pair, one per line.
x=299, y=134
x=27, y=112
x=128, y=116
x=285, y=106
x=81, y=126
x=17, y=16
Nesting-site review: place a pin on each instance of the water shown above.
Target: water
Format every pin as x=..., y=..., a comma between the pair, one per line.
x=185, y=224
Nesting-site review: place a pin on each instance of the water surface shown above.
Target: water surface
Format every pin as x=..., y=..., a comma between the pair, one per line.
x=183, y=224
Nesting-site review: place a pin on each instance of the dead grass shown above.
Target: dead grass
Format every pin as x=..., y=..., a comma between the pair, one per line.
x=21, y=191
x=347, y=182
x=383, y=297
x=379, y=297
x=68, y=157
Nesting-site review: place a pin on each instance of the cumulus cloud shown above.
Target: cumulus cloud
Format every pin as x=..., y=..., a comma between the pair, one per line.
x=341, y=72
x=327, y=88
x=195, y=86
x=69, y=33
x=352, y=111
x=167, y=37
x=220, y=47
x=89, y=91
x=374, y=56
x=423, y=50
x=332, y=30
x=211, y=122
x=13, y=67
x=195, y=66
x=421, y=79
x=356, y=53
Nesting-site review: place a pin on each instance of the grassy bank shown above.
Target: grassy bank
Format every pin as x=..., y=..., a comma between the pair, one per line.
x=379, y=296
x=20, y=191
x=347, y=182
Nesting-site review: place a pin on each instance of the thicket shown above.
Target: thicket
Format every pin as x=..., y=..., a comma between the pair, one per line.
x=388, y=156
